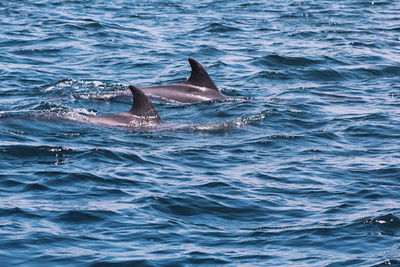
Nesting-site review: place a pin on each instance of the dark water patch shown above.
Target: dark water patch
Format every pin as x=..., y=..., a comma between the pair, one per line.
x=104, y=155
x=108, y=192
x=323, y=75
x=325, y=135
x=277, y=60
x=387, y=224
x=64, y=179
x=37, y=52
x=8, y=182
x=216, y=185
x=383, y=173
x=84, y=217
x=364, y=44
x=39, y=154
x=395, y=29
x=208, y=50
x=340, y=97
x=220, y=28
x=200, y=206
x=372, y=130
x=35, y=187
x=18, y=213
x=270, y=75
x=377, y=72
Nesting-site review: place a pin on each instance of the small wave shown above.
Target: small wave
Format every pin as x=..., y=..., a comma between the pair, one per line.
x=79, y=216
x=215, y=27
x=327, y=74
x=18, y=212
x=377, y=71
x=104, y=96
x=220, y=205
x=81, y=88
x=35, y=187
x=221, y=27
x=224, y=126
x=277, y=60
x=388, y=224
x=50, y=107
x=271, y=75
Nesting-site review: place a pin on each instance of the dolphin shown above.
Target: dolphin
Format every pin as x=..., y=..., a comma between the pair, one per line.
x=198, y=87
x=141, y=115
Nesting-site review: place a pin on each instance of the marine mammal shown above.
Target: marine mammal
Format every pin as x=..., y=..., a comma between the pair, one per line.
x=141, y=115
x=198, y=87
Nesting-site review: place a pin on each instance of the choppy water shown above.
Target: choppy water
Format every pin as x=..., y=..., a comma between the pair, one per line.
x=300, y=167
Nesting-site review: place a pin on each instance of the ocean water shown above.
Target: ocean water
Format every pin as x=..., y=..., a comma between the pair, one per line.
x=299, y=167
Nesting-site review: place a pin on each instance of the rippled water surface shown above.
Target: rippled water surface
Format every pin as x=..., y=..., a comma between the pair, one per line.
x=300, y=166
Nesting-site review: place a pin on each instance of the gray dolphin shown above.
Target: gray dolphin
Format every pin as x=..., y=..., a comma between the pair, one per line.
x=142, y=114
x=199, y=87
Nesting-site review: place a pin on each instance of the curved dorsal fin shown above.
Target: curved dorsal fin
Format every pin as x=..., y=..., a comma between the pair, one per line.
x=199, y=76
x=142, y=105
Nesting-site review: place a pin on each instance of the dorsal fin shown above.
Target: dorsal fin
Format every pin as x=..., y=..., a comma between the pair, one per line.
x=142, y=105
x=199, y=76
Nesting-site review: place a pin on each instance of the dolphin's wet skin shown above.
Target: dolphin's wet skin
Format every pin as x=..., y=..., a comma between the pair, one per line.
x=142, y=113
x=198, y=87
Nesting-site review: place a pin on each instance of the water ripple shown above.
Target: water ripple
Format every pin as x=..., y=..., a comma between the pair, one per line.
x=298, y=166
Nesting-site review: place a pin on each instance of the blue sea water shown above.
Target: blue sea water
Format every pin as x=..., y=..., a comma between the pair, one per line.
x=299, y=167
